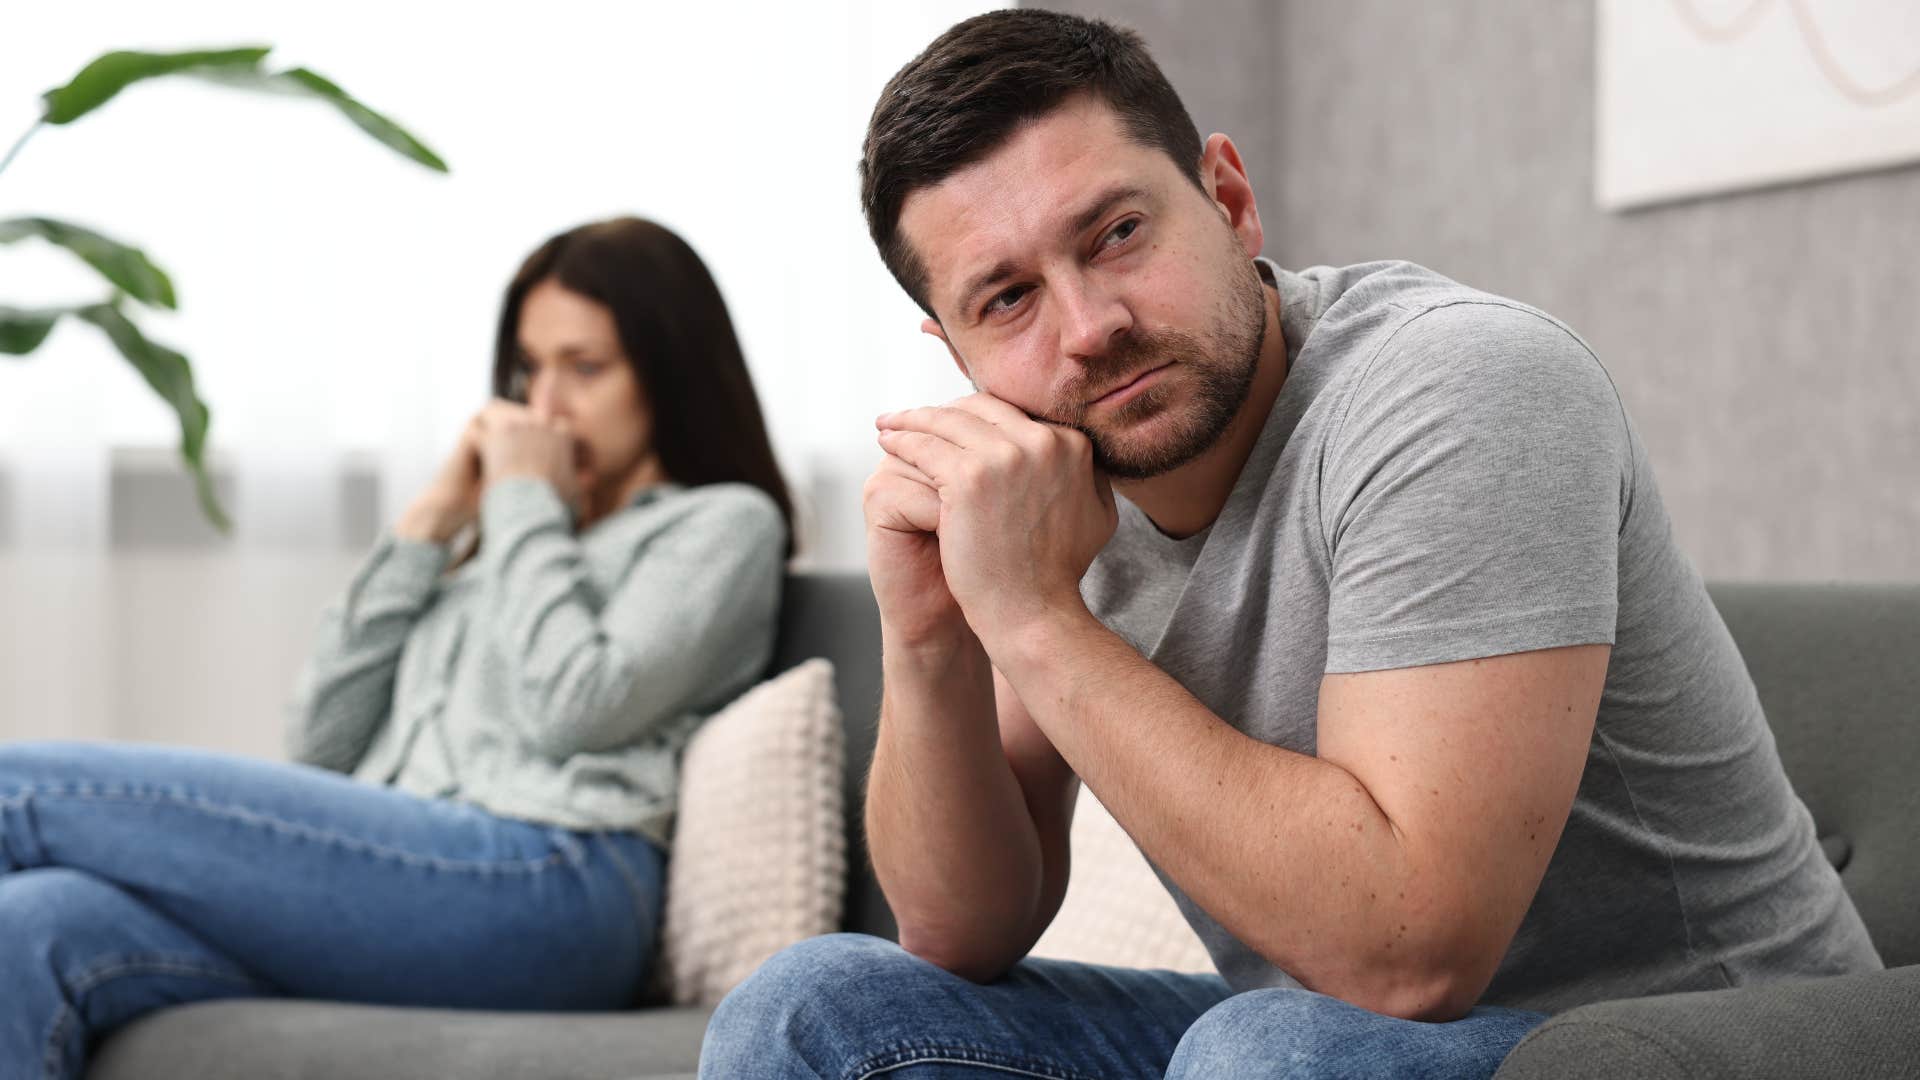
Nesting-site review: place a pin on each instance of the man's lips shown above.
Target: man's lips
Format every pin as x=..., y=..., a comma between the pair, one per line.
x=1126, y=389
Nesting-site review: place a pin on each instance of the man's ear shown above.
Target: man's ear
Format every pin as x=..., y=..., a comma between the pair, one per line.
x=932, y=326
x=1225, y=178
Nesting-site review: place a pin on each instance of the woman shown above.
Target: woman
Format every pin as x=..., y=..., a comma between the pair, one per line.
x=511, y=725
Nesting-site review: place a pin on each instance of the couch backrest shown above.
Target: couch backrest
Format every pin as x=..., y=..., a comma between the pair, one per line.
x=1837, y=667
x=833, y=615
x=1838, y=670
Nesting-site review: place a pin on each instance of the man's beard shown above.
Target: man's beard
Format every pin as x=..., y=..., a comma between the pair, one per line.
x=1219, y=368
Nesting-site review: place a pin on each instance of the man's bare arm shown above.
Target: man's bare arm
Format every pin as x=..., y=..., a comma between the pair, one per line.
x=1392, y=869
x=966, y=817
x=968, y=803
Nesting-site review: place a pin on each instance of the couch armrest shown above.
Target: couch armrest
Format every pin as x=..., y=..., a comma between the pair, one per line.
x=1844, y=1026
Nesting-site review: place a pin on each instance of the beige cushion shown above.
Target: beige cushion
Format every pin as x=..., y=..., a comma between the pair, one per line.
x=1116, y=911
x=759, y=856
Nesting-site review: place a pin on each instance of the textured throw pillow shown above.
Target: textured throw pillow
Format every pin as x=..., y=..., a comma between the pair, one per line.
x=1116, y=911
x=759, y=852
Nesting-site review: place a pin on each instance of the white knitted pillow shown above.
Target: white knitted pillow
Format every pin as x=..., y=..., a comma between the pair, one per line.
x=759, y=852
x=1116, y=911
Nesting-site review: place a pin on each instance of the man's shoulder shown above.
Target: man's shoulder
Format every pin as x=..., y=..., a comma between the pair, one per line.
x=1394, y=332
x=1382, y=281
x=1375, y=303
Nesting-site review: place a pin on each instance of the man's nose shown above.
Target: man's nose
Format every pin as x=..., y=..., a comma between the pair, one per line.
x=1091, y=318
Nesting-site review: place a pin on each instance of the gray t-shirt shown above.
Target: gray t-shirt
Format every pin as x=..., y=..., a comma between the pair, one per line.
x=1446, y=475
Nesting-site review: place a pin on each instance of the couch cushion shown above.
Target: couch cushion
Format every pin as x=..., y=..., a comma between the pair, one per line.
x=1853, y=1026
x=1835, y=667
x=1116, y=912
x=305, y=1040
x=760, y=841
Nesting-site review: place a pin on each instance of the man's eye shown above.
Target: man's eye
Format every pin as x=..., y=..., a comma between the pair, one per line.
x=1120, y=233
x=1006, y=300
x=587, y=368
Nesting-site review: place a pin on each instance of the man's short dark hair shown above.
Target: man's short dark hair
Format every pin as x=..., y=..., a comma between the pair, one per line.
x=982, y=80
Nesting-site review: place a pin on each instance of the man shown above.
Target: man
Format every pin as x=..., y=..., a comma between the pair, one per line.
x=1348, y=592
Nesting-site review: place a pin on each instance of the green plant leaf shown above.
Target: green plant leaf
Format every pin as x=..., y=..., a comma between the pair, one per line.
x=127, y=267
x=171, y=376
x=303, y=82
x=23, y=329
x=99, y=81
x=390, y=134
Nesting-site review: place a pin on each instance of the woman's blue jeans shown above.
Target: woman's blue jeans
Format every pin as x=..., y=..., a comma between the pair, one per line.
x=136, y=877
x=849, y=1007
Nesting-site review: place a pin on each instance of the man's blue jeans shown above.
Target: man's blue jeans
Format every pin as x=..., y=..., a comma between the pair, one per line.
x=849, y=1007
x=135, y=877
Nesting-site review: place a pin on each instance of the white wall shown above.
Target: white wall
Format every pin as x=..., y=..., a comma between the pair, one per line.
x=338, y=302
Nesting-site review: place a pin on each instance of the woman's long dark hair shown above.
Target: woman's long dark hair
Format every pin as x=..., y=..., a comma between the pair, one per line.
x=674, y=328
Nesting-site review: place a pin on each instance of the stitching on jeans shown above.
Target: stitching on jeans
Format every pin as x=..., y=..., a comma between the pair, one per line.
x=117, y=793
x=642, y=901
x=15, y=802
x=53, y=1058
x=116, y=966
x=953, y=1055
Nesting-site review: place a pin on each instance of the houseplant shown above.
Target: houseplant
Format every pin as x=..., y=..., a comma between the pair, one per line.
x=132, y=279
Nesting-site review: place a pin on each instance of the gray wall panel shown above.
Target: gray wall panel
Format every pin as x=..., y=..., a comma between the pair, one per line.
x=1767, y=343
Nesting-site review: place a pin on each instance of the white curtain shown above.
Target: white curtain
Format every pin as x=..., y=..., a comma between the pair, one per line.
x=338, y=302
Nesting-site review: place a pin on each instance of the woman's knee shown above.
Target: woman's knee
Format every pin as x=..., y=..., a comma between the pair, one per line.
x=37, y=764
x=27, y=767
x=42, y=910
x=18, y=761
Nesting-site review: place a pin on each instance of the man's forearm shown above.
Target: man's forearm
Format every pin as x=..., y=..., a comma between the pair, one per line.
x=1288, y=852
x=954, y=846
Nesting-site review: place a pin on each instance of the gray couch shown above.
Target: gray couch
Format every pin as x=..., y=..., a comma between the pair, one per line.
x=1838, y=669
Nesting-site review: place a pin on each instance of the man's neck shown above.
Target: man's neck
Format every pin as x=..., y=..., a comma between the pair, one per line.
x=1184, y=501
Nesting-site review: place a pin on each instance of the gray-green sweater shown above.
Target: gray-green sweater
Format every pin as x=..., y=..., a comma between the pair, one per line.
x=555, y=677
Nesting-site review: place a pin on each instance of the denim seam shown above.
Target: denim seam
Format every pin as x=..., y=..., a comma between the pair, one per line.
x=960, y=1055
x=115, y=967
x=115, y=793
x=14, y=857
x=641, y=898
x=118, y=967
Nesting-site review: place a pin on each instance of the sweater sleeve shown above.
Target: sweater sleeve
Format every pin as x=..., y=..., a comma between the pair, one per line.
x=691, y=620
x=345, y=693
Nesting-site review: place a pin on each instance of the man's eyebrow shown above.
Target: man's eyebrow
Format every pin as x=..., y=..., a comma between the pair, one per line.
x=1081, y=222
x=1108, y=199
x=1001, y=271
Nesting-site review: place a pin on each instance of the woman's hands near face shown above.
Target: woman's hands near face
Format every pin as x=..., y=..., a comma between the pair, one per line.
x=513, y=441
x=451, y=501
x=502, y=440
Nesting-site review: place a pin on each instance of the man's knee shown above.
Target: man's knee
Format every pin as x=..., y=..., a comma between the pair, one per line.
x=812, y=975
x=1270, y=1033
x=810, y=1000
